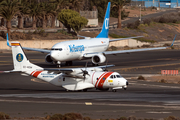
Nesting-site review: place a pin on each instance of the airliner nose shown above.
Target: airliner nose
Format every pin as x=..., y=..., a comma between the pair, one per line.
x=53, y=55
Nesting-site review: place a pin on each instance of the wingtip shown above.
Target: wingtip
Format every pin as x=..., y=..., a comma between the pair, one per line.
x=173, y=40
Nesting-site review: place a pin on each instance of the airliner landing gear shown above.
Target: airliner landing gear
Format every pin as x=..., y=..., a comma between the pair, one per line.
x=58, y=64
x=94, y=64
x=68, y=63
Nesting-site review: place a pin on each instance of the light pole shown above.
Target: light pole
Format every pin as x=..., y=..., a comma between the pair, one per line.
x=140, y=13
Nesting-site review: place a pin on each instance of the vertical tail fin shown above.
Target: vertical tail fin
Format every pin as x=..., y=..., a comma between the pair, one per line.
x=21, y=63
x=105, y=29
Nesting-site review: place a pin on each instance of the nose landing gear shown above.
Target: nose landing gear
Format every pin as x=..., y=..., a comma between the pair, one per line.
x=58, y=64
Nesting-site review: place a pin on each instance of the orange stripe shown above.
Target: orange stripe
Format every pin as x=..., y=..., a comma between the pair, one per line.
x=101, y=82
x=36, y=73
x=15, y=44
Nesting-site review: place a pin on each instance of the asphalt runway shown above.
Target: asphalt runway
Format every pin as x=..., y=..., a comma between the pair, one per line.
x=20, y=96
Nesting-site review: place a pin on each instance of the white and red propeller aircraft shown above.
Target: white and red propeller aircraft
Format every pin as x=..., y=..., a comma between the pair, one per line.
x=68, y=78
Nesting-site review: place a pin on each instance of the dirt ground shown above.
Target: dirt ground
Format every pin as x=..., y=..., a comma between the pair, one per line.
x=164, y=79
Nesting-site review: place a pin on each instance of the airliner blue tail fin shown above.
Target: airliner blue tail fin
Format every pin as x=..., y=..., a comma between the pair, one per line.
x=105, y=29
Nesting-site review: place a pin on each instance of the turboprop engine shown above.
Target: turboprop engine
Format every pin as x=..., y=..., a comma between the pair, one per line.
x=48, y=59
x=99, y=58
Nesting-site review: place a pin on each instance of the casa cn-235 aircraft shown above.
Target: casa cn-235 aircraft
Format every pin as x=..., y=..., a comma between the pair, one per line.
x=68, y=78
x=88, y=48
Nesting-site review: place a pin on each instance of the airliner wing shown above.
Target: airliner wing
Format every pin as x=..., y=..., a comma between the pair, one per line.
x=133, y=50
x=112, y=40
x=38, y=50
x=88, y=55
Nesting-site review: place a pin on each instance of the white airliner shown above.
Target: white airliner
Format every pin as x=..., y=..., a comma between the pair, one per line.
x=88, y=48
x=68, y=78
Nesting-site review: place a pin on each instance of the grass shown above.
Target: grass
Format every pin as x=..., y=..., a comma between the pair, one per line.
x=145, y=40
x=117, y=36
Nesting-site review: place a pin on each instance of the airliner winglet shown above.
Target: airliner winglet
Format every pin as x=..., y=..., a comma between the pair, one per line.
x=173, y=41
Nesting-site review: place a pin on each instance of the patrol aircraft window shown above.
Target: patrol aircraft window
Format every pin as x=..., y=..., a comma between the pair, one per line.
x=111, y=76
x=118, y=76
x=114, y=76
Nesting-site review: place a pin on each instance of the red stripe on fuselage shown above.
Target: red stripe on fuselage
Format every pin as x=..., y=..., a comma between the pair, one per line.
x=32, y=73
x=36, y=73
x=99, y=78
x=103, y=79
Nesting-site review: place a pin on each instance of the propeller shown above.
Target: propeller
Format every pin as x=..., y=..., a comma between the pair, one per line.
x=85, y=72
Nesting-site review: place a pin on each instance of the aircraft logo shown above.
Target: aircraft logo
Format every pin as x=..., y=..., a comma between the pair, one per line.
x=107, y=23
x=19, y=57
x=78, y=48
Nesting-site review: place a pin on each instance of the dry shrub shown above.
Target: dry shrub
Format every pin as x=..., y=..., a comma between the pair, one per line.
x=171, y=118
x=132, y=118
x=122, y=118
x=4, y=116
x=133, y=25
x=141, y=78
x=55, y=117
x=163, y=81
x=86, y=118
x=73, y=116
x=147, y=21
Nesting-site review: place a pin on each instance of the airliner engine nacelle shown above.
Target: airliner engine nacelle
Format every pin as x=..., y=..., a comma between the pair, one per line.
x=48, y=59
x=99, y=58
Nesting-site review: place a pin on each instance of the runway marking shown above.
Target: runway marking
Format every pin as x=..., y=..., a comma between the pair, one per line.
x=159, y=112
x=103, y=104
x=88, y=103
x=156, y=85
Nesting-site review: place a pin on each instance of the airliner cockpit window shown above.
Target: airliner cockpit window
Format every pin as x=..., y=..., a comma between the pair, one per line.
x=111, y=76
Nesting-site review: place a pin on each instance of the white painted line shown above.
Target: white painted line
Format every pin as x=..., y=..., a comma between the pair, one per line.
x=153, y=112
x=88, y=103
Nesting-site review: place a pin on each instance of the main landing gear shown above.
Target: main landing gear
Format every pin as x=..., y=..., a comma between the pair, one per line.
x=69, y=63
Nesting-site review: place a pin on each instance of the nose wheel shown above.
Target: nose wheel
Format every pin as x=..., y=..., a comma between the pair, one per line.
x=114, y=90
x=58, y=64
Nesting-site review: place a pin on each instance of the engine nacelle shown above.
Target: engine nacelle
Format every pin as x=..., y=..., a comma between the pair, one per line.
x=48, y=59
x=99, y=58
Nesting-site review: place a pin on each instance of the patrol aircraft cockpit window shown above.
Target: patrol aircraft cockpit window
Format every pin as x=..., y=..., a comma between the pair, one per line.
x=111, y=76
x=60, y=49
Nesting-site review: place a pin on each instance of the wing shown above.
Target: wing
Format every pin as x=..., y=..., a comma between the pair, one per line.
x=88, y=55
x=112, y=40
x=38, y=50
